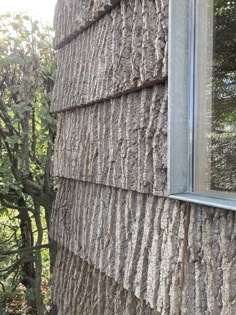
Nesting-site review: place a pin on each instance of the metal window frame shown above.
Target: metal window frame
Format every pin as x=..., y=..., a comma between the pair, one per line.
x=182, y=16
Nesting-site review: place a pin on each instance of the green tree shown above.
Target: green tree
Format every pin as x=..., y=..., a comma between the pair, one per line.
x=27, y=131
x=224, y=63
x=223, y=137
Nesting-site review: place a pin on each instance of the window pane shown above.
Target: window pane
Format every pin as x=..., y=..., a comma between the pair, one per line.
x=215, y=98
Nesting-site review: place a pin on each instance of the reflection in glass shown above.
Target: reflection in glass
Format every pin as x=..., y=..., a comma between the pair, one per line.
x=215, y=98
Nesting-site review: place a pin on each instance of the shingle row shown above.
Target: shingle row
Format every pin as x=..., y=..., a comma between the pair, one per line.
x=123, y=51
x=120, y=142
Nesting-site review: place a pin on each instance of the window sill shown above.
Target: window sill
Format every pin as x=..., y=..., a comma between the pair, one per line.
x=229, y=204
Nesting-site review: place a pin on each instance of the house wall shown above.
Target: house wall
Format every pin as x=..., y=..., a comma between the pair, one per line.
x=124, y=247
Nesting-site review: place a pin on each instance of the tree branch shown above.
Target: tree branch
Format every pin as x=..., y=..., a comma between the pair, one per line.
x=11, y=206
x=23, y=250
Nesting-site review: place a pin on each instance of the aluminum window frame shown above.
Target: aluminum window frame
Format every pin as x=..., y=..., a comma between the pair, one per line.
x=181, y=85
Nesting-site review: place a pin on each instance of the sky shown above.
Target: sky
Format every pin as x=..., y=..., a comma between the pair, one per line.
x=42, y=10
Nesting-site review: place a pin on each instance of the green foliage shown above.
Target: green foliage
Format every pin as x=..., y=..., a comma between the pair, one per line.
x=27, y=131
x=224, y=61
x=221, y=143
x=27, y=69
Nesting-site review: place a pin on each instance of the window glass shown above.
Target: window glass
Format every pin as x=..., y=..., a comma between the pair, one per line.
x=214, y=145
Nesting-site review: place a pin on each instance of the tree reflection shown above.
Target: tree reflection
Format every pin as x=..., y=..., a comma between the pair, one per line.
x=223, y=136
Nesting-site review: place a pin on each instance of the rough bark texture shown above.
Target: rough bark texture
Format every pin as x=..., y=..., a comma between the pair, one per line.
x=73, y=16
x=125, y=247
x=179, y=258
x=86, y=290
x=119, y=143
x=125, y=50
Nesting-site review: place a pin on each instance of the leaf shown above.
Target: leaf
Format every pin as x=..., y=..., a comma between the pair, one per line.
x=12, y=140
x=39, y=81
x=26, y=18
x=12, y=60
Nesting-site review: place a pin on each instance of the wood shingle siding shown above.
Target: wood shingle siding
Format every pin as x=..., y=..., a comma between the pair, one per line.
x=119, y=143
x=93, y=292
x=173, y=255
x=125, y=50
x=74, y=16
x=124, y=247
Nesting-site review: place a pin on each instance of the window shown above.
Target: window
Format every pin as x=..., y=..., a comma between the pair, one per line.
x=202, y=102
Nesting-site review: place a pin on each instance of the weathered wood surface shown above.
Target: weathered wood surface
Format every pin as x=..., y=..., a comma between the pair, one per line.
x=80, y=289
x=179, y=258
x=125, y=246
x=125, y=50
x=73, y=16
x=120, y=143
